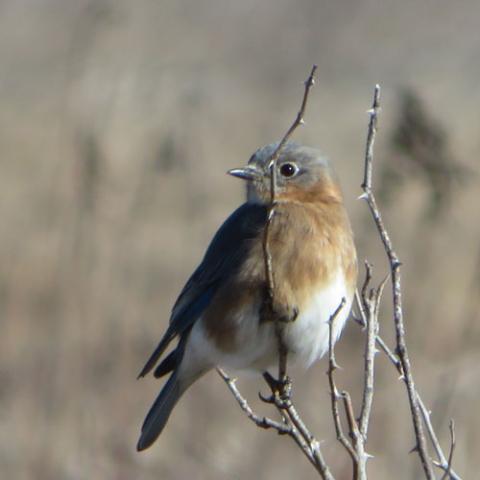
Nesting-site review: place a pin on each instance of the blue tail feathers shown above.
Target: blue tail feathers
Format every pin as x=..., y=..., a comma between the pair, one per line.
x=160, y=411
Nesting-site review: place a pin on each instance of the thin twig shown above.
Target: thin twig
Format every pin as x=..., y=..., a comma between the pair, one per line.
x=441, y=461
x=401, y=347
x=299, y=120
x=370, y=303
x=263, y=422
x=334, y=394
x=368, y=306
x=356, y=448
x=362, y=321
x=452, y=450
x=282, y=363
x=287, y=410
x=313, y=443
x=360, y=465
x=293, y=426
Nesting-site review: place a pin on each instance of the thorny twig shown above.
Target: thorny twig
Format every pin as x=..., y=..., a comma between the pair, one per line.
x=452, y=450
x=401, y=347
x=357, y=429
x=281, y=389
x=368, y=305
x=371, y=303
x=292, y=425
x=400, y=358
x=441, y=461
x=282, y=351
x=334, y=394
x=263, y=422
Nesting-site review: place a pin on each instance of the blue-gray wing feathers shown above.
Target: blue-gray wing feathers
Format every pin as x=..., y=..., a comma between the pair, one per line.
x=223, y=257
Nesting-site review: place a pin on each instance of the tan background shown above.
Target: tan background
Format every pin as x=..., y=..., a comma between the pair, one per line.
x=118, y=120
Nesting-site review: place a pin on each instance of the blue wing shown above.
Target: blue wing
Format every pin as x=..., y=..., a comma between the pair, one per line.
x=223, y=257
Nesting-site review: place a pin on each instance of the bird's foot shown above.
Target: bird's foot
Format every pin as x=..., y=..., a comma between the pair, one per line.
x=281, y=390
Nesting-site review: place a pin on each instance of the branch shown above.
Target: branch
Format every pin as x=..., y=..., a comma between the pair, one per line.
x=356, y=448
x=282, y=351
x=334, y=395
x=368, y=302
x=371, y=303
x=441, y=461
x=299, y=120
x=452, y=450
x=362, y=306
x=292, y=425
x=401, y=347
x=263, y=422
x=313, y=443
x=280, y=397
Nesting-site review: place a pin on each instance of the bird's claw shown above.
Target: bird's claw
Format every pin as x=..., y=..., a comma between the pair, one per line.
x=281, y=389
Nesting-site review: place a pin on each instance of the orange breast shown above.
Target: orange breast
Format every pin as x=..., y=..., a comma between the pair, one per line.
x=309, y=243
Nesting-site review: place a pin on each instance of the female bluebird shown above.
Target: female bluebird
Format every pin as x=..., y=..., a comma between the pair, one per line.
x=217, y=317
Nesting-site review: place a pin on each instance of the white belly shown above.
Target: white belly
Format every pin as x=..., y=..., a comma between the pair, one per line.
x=306, y=337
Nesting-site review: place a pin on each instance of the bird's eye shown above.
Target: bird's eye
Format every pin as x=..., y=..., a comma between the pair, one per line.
x=288, y=169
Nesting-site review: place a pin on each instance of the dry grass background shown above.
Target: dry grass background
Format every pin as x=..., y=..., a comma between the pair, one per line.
x=117, y=124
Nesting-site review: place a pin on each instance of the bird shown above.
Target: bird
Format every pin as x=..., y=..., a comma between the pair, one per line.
x=217, y=318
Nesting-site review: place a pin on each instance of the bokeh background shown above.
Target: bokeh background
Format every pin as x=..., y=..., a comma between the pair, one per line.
x=118, y=120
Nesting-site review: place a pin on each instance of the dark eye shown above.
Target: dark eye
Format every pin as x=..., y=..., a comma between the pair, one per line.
x=288, y=169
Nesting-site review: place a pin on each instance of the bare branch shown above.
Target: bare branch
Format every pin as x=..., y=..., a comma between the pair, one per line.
x=441, y=462
x=313, y=443
x=452, y=449
x=368, y=307
x=356, y=450
x=371, y=133
x=401, y=347
x=371, y=302
x=362, y=321
x=292, y=425
x=282, y=363
x=263, y=422
x=360, y=465
x=299, y=120
x=334, y=395
x=310, y=449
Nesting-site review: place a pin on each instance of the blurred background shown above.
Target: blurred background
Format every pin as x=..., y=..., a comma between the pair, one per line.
x=118, y=122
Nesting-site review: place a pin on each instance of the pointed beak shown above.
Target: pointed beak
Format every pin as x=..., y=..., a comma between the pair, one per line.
x=245, y=173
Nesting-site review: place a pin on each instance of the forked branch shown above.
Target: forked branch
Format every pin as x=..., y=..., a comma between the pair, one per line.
x=368, y=301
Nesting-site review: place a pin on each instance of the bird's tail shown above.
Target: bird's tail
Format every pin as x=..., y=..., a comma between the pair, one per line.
x=160, y=411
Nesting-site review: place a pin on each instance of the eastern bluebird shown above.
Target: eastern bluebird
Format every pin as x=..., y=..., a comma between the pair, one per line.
x=217, y=317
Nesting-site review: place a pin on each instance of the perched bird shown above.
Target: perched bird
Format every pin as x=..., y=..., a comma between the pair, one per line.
x=218, y=316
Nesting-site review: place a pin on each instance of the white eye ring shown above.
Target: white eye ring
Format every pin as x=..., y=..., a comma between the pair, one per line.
x=288, y=169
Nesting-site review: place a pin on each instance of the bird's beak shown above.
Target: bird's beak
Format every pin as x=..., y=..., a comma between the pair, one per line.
x=245, y=173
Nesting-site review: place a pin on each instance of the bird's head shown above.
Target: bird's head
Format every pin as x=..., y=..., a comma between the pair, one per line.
x=302, y=175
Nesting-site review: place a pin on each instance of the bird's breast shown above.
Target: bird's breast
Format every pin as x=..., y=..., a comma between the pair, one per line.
x=307, y=338
x=314, y=267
